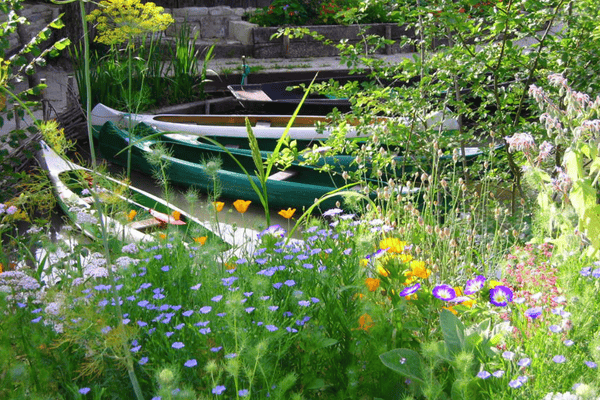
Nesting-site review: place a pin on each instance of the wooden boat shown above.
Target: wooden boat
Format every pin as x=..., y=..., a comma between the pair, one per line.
x=129, y=213
x=231, y=129
x=188, y=164
x=275, y=96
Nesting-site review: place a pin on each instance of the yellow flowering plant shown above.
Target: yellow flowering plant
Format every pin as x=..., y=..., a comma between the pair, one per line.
x=119, y=21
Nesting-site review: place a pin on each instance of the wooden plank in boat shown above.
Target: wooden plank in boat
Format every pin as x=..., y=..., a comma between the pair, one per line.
x=144, y=223
x=282, y=175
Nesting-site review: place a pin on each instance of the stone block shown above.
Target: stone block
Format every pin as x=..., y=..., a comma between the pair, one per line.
x=241, y=31
x=214, y=27
x=221, y=10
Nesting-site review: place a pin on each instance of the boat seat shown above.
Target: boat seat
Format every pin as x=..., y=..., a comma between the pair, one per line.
x=263, y=124
x=145, y=223
x=282, y=175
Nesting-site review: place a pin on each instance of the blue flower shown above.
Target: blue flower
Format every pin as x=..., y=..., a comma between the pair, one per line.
x=533, y=312
x=191, y=363
x=271, y=328
x=555, y=328
x=84, y=390
x=444, y=292
x=501, y=295
x=177, y=345
x=304, y=303
x=569, y=342
x=218, y=389
x=483, y=374
x=508, y=355
x=250, y=309
x=524, y=362
x=216, y=349
x=143, y=360
x=332, y=211
x=206, y=309
x=586, y=271
x=591, y=364
x=218, y=298
x=559, y=359
x=498, y=374
x=289, y=282
x=243, y=392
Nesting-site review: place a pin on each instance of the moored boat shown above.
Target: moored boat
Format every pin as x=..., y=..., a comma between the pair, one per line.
x=129, y=213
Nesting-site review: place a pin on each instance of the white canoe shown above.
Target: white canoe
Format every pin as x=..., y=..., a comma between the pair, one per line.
x=74, y=203
x=233, y=126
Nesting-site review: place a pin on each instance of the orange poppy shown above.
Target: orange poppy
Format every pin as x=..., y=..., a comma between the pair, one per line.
x=241, y=205
x=218, y=205
x=287, y=214
x=201, y=239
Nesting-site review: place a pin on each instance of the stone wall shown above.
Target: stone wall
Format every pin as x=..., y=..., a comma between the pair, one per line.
x=211, y=22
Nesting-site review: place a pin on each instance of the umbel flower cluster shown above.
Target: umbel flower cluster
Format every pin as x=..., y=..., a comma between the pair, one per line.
x=120, y=21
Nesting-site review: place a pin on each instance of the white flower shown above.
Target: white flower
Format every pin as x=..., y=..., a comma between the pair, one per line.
x=520, y=142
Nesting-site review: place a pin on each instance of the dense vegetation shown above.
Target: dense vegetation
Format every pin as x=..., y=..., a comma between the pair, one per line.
x=481, y=284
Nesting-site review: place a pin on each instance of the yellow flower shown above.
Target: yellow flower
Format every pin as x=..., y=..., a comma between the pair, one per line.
x=218, y=205
x=365, y=322
x=493, y=284
x=405, y=257
x=201, y=239
x=459, y=291
x=229, y=266
x=469, y=303
x=382, y=271
x=393, y=245
x=372, y=284
x=131, y=215
x=411, y=296
x=287, y=214
x=119, y=21
x=418, y=269
x=162, y=236
x=364, y=262
x=241, y=205
x=1, y=268
x=176, y=215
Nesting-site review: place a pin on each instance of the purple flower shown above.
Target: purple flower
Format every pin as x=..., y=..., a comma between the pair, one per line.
x=136, y=349
x=243, y=392
x=501, y=295
x=205, y=309
x=314, y=300
x=498, y=374
x=84, y=390
x=204, y=331
x=277, y=285
x=191, y=363
x=177, y=345
x=216, y=349
x=333, y=211
x=218, y=298
x=250, y=309
x=271, y=328
x=508, y=355
x=231, y=355
x=591, y=364
x=304, y=303
x=474, y=285
x=586, y=271
x=569, y=342
x=533, y=312
x=218, y=389
x=410, y=290
x=289, y=282
x=444, y=292
x=165, y=268
x=196, y=287
x=143, y=360
x=483, y=374
x=517, y=383
x=187, y=313
x=559, y=359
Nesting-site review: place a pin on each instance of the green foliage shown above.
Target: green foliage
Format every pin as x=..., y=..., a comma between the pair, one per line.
x=446, y=369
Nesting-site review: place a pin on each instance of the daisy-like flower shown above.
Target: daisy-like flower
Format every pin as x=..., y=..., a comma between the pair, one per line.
x=444, y=292
x=474, y=285
x=501, y=295
x=392, y=245
x=191, y=363
x=201, y=239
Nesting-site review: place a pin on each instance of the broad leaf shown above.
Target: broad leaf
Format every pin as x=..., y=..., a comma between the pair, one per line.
x=404, y=361
x=453, y=331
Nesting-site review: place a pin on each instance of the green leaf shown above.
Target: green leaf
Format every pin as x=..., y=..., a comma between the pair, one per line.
x=256, y=156
x=316, y=384
x=404, y=361
x=453, y=331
